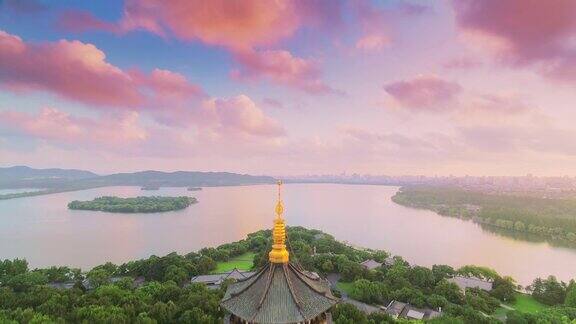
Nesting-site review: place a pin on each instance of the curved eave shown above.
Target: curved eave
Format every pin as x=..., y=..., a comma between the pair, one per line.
x=279, y=293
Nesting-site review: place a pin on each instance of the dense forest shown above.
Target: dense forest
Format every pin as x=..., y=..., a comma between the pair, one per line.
x=134, y=205
x=551, y=218
x=157, y=289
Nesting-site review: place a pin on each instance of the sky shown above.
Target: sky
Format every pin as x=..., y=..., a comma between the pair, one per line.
x=447, y=87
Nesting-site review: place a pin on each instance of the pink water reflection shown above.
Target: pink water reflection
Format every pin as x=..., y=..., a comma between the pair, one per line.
x=45, y=232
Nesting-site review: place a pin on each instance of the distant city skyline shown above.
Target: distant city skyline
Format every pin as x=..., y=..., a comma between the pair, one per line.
x=290, y=88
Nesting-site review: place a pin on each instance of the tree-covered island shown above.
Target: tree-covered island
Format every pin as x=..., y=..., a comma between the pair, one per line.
x=152, y=204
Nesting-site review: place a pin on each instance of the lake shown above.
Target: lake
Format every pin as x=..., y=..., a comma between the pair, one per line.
x=42, y=229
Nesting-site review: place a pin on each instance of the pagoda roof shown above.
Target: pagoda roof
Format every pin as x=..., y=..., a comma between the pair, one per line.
x=279, y=293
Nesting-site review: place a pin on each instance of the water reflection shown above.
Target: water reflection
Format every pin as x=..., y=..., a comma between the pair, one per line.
x=45, y=232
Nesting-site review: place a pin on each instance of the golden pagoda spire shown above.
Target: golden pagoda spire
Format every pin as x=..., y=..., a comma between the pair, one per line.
x=279, y=254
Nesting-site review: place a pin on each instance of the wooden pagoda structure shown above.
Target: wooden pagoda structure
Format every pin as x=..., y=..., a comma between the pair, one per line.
x=280, y=292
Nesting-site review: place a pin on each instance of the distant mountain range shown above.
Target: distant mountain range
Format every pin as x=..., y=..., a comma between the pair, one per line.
x=184, y=179
x=23, y=176
x=61, y=179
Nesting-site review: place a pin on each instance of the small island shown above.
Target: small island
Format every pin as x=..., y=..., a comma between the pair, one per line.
x=134, y=205
x=194, y=188
x=150, y=188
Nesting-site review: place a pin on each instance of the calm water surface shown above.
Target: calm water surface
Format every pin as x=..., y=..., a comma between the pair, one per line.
x=42, y=229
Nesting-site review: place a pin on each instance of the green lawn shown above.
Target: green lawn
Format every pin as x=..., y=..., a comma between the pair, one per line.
x=241, y=262
x=500, y=313
x=345, y=286
x=526, y=304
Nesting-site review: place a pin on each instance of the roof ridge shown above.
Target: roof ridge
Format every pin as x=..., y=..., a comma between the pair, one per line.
x=309, y=285
x=217, y=273
x=290, y=286
x=256, y=276
x=268, y=284
x=228, y=274
x=291, y=289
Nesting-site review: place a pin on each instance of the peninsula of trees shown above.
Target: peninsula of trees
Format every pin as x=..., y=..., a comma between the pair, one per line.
x=134, y=205
x=553, y=219
x=159, y=289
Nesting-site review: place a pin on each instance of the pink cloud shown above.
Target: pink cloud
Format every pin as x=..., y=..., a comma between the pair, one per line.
x=110, y=134
x=524, y=32
x=281, y=67
x=375, y=22
x=79, y=71
x=234, y=125
x=222, y=118
x=168, y=86
x=374, y=25
x=240, y=26
x=237, y=25
x=81, y=21
x=54, y=125
x=423, y=92
x=71, y=69
x=239, y=115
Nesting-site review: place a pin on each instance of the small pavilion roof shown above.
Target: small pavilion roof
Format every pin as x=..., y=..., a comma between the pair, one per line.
x=279, y=293
x=218, y=278
x=471, y=282
x=371, y=264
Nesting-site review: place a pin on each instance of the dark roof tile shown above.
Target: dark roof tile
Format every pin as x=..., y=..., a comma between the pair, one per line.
x=279, y=293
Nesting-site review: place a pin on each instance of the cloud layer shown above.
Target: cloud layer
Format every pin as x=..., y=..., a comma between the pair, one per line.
x=281, y=67
x=227, y=124
x=56, y=126
x=524, y=32
x=246, y=85
x=79, y=71
x=243, y=27
x=423, y=92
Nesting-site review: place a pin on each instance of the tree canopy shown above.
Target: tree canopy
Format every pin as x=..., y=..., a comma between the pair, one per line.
x=134, y=205
x=158, y=289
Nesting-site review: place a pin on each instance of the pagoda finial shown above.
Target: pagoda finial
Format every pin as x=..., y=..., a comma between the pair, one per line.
x=279, y=204
x=279, y=254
